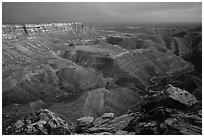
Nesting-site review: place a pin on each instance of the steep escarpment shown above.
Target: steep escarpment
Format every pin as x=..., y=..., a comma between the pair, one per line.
x=32, y=30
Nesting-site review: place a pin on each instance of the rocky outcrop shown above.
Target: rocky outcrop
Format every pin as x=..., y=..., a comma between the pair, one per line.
x=166, y=112
x=11, y=32
x=43, y=122
x=156, y=120
x=102, y=124
x=172, y=123
x=171, y=97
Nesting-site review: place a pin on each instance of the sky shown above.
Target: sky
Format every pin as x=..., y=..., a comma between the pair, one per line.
x=101, y=12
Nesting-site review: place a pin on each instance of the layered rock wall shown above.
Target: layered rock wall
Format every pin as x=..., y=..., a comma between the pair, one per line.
x=10, y=32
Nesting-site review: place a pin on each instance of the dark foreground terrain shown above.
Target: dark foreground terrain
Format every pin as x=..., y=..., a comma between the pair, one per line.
x=70, y=78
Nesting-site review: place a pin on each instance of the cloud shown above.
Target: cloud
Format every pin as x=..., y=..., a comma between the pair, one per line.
x=155, y=11
x=102, y=12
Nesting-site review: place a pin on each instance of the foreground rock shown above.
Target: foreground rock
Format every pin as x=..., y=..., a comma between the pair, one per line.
x=156, y=120
x=160, y=121
x=112, y=125
x=171, y=97
x=182, y=96
x=85, y=121
x=106, y=124
x=43, y=122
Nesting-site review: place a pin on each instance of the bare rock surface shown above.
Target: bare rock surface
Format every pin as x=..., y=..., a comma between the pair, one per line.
x=162, y=120
x=43, y=122
x=85, y=121
x=155, y=121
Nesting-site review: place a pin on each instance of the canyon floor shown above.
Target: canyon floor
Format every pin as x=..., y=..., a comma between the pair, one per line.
x=71, y=78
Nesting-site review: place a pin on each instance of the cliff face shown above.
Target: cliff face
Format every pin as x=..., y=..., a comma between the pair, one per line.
x=10, y=32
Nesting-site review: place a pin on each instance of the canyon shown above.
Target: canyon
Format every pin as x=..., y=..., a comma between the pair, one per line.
x=75, y=70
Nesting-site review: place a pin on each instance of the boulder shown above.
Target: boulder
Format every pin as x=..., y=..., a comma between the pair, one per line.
x=182, y=96
x=85, y=121
x=171, y=97
x=43, y=122
x=113, y=125
x=101, y=120
x=108, y=115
